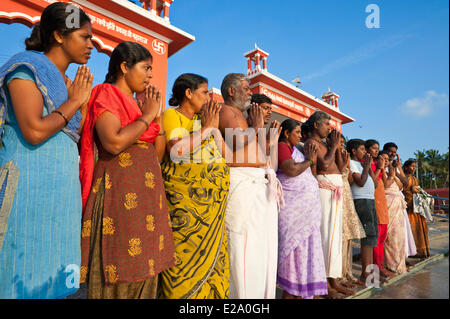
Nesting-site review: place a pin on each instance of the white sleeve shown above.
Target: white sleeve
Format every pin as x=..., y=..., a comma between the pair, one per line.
x=354, y=167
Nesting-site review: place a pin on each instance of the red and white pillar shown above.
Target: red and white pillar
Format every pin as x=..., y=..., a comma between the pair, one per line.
x=166, y=6
x=153, y=6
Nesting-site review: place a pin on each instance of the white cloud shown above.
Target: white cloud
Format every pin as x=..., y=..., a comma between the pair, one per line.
x=423, y=106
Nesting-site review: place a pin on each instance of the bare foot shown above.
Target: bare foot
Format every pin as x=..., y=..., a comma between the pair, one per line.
x=360, y=283
x=383, y=279
x=355, y=281
x=336, y=286
x=345, y=291
x=347, y=284
x=333, y=294
x=387, y=273
x=287, y=295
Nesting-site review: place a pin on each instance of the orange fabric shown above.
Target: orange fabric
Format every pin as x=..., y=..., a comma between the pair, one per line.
x=107, y=97
x=381, y=204
x=418, y=223
x=419, y=230
x=407, y=191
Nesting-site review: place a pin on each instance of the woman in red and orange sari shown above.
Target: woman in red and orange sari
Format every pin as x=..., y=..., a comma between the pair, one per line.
x=126, y=238
x=418, y=223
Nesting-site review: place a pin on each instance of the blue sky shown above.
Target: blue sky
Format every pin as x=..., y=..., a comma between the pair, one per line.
x=393, y=80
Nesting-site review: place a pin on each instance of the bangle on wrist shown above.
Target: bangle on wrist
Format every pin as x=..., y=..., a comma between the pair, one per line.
x=311, y=162
x=144, y=121
x=62, y=115
x=162, y=133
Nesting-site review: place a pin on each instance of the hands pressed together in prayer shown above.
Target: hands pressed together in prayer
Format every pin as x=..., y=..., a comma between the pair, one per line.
x=334, y=139
x=152, y=105
x=310, y=151
x=255, y=116
x=79, y=90
x=367, y=161
x=210, y=114
x=381, y=164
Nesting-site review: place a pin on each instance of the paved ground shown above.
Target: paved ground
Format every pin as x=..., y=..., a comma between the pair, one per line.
x=427, y=279
x=431, y=282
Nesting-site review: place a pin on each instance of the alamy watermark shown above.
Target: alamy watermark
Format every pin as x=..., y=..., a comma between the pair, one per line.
x=73, y=276
x=73, y=19
x=373, y=19
x=243, y=146
x=373, y=279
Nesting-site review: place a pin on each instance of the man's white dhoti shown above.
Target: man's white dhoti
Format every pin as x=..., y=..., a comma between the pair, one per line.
x=331, y=226
x=252, y=228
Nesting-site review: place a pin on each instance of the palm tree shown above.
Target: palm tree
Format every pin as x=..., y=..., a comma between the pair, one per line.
x=434, y=158
x=443, y=170
x=422, y=165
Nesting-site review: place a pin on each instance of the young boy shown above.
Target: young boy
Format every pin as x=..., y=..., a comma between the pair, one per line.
x=363, y=191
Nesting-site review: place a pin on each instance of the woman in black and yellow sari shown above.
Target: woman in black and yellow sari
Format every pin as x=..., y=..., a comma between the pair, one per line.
x=196, y=182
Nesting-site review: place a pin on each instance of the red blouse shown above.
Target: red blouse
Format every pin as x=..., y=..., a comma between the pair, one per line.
x=284, y=152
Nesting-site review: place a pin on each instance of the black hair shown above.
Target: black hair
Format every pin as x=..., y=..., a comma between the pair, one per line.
x=354, y=144
x=129, y=52
x=389, y=145
x=307, y=128
x=383, y=152
x=54, y=18
x=370, y=143
x=408, y=163
x=182, y=83
x=261, y=98
x=288, y=126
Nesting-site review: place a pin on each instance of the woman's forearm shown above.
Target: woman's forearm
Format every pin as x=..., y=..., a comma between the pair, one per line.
x=124, y=138
x=160, y=147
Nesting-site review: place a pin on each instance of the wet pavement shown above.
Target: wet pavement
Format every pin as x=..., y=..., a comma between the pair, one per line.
x=431, y=282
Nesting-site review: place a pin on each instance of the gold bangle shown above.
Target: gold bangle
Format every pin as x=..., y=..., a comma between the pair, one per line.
x=62, y=115
x=162, y=133
x=145, y=122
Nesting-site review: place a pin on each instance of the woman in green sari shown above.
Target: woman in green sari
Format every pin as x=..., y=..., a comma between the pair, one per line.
x=196, y=182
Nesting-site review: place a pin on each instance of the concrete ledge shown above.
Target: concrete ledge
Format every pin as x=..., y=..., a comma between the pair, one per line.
x=367, y=292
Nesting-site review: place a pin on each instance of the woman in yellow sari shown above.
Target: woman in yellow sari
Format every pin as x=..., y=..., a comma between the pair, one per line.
x=196, y=182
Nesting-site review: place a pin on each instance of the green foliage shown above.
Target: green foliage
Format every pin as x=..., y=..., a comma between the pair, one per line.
x=432, y=168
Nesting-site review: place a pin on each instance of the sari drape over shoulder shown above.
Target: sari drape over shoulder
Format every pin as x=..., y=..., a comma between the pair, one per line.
x=40, y=202
x=196, y=195
x=107, y=97
x=126, y=233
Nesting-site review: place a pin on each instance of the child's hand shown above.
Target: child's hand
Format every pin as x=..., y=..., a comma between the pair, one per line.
x=367, y=160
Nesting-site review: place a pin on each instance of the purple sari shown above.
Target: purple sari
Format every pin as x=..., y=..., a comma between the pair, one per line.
x=301, y=268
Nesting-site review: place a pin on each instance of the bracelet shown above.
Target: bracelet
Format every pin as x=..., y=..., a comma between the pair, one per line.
x=162, y=133
x=311, y=162
x=62, y=115
x=145, y=122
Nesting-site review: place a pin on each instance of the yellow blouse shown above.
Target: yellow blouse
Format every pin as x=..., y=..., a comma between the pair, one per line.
x=176, y=125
